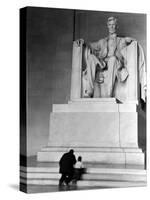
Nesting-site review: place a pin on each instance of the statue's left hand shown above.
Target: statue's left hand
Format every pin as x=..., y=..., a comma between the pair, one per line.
x=129, y=40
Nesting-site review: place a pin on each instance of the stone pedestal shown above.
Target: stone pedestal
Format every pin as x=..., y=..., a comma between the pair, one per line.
x=100, y=130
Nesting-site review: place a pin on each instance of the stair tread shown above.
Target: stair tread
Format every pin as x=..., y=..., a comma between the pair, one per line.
x=89, y=170
x=90, y=183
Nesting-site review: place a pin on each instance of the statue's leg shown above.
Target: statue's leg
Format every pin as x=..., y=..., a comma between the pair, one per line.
x=110, y=77
x=91, y=70
x=97, y=90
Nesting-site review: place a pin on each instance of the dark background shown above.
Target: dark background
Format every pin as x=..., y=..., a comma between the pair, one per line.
x=92, y=25
x=50, y=33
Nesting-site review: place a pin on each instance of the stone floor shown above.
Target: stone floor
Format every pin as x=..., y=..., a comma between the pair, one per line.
x=51, y=188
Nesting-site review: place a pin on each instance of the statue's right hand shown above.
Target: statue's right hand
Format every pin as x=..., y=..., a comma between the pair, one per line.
x=80, y=41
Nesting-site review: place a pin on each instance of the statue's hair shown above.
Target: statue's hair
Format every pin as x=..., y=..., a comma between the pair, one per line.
x=112, y=19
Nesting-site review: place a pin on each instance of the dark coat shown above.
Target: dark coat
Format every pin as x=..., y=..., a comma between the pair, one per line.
x=66, y=163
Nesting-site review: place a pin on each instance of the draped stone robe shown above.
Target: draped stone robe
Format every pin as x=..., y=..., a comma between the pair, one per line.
x=111, y=68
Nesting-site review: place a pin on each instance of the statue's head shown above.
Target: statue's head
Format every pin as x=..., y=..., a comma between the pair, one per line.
x=112, y=25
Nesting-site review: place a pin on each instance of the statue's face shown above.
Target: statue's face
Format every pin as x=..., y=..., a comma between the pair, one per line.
x=112, y=26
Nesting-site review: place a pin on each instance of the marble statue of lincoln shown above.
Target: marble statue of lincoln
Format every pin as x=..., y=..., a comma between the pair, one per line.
x=105, y=63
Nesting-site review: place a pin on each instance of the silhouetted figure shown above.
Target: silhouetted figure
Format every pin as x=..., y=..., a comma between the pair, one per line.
x=66, y=164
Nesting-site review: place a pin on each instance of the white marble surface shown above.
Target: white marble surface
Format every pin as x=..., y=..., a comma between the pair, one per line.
x=105, y=132
x=103, y=157
x=76, y=71
x=85, y=129
x=128, y=91
x=86, y=107
x=128, y=129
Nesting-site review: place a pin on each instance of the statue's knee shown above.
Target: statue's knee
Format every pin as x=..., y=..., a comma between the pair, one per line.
x=112, y=58
x=111, y=62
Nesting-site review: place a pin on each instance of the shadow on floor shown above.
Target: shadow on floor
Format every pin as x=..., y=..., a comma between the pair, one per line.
x=41, y=189
x=14, y=187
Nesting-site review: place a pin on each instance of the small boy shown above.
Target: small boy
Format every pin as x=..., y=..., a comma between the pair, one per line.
x=78, y=169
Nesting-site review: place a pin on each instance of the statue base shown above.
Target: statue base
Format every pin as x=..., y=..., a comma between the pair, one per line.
x=99, y=130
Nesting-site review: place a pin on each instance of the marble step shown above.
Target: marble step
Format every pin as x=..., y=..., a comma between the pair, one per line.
x=109, y=176
x=95, y=105
x=117, y=184
x=91, y=100
x=88, y=170
x=92, y=149
x=88, y=183
x=126, y=156
x=92, y=177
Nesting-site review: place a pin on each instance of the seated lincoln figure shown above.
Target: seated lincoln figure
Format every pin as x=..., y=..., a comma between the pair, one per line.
x=104, y=63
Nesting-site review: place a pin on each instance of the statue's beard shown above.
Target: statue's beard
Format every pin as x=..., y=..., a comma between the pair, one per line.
x=112, y=31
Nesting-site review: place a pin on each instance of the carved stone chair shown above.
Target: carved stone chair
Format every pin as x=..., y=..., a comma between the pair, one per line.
x=129, y=91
